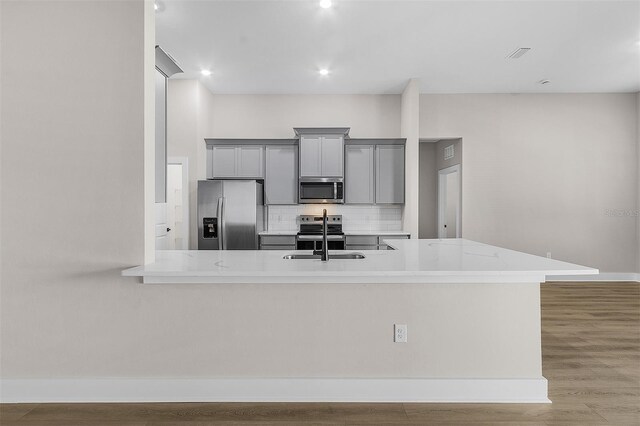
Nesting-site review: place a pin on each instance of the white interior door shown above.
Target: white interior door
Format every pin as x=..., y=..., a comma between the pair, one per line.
x=162, y=239
x=177, y=204
x=449, y=200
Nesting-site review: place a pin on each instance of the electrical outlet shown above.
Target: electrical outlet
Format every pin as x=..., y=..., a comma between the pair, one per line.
x=400, y=333
x=548, y=255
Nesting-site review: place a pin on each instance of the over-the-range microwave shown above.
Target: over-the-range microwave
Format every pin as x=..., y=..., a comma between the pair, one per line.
x=321, y=191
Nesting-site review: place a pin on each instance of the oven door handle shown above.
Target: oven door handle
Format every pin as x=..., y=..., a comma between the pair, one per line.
x=319, y=237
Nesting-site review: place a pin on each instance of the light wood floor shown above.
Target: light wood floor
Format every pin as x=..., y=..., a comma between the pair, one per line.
x=591, y=356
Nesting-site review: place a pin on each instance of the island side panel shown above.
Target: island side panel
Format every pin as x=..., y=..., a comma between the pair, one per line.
x=339, y=330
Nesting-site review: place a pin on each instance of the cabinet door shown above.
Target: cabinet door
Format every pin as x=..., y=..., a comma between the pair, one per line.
x=224, y=161
x=281, y=179
x=390, y=174
x=249, y=161
x=359, y=176
x=310, y=149
x=278, y=240
x=332, y=153
x=209, y=162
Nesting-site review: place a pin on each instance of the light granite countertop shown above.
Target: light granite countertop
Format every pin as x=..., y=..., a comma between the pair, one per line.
x=412, y=261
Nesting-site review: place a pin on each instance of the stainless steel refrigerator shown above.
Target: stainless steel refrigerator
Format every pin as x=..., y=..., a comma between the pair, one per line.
x=230, y=214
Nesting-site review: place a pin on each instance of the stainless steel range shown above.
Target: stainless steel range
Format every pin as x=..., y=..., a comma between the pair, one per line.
x=310, y=234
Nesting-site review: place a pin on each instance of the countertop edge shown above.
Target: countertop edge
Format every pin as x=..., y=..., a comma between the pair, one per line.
x=187, y=267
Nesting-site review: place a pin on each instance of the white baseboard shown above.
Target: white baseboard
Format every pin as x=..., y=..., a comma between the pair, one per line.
x=275, y=390
x=603, y=276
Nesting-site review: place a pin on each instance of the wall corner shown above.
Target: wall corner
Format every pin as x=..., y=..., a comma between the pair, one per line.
x=149, y=177
x=410, y=129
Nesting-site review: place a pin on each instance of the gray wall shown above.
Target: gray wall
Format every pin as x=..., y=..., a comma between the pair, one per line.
x=431, y=161
x=410, y=129
x=457, y=153
x=189, y=121
x=72, y=190
x=542, y=171
x=428, y=188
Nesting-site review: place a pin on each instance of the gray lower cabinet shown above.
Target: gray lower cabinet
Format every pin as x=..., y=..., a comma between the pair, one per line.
x=281, y=175
x=381, y=238
x=268, y=247
x=389, y=174
x=359, y=174
x=235, y=162
x=370, y=241
x=277, y=242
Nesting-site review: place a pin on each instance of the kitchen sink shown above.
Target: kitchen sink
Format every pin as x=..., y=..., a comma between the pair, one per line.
x=336, y=256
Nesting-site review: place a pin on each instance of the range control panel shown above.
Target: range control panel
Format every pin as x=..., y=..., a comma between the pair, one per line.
x=332, y=218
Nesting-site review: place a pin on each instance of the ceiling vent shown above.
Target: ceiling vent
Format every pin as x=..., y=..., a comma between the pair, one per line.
x=518, y=52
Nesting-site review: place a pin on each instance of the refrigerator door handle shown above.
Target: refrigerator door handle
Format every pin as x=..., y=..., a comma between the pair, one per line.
x=224, y=224
x=220, y=214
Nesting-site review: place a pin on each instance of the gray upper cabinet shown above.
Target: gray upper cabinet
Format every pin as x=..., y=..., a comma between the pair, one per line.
x=359, y=174
x=310, y=156
x=321, y=156
x=223, y=161
x=389, y=174
x=332, y=156
x=235, y=162
x=209, y=162
x=281, y=175
x=250, y=161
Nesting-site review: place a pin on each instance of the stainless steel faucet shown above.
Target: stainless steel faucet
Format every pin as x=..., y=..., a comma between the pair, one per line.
x=324, y=253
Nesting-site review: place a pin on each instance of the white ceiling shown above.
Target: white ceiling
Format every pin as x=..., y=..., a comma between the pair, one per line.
x=376, y=46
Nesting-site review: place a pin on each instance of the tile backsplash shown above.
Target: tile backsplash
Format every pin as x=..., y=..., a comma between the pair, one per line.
x=354, y=217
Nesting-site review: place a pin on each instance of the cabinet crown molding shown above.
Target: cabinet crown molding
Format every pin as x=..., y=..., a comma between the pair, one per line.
x=228, y=141
x=344, y=131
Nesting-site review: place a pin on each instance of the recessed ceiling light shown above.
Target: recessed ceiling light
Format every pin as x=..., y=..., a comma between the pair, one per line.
x=324, y=71
x=206, y=73
x=544, y=81
x=155, y=6
x=325, y=4
x=519, y=52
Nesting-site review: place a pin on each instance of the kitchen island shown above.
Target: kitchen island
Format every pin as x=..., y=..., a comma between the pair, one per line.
x=306, y=330
x=411, y=261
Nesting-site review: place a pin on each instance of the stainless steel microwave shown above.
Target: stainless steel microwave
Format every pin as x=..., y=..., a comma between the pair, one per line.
x=321, y=191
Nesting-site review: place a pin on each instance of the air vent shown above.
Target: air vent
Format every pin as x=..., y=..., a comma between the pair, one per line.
x=518, y=52
x=448, y=152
